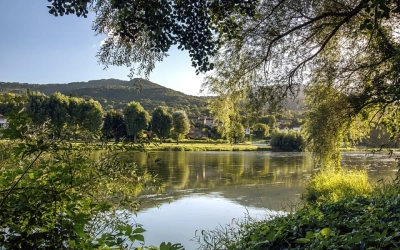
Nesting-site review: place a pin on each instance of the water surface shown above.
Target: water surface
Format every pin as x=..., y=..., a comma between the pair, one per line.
x=205, y=190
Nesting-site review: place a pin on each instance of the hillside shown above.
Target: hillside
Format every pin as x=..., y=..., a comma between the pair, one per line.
x=113, y=93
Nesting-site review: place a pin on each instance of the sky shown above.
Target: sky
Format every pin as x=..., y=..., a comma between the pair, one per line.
x=36, y=47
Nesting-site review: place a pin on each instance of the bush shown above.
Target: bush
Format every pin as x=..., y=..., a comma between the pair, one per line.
x=330, y=186
x=287, y=141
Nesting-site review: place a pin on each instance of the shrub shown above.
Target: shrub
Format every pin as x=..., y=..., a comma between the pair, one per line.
x=333, y=185
x=287, y=141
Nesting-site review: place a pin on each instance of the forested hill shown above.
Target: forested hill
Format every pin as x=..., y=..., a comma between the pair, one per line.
x=115, y=93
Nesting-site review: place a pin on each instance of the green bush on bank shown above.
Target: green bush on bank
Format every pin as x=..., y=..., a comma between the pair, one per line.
x=288, y=141
x=367, y=220
x=332, y=185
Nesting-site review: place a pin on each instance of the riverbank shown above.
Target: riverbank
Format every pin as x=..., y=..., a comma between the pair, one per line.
x=206, y=147
x=366, y=219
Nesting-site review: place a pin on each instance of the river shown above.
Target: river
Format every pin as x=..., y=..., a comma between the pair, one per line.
x=205, y=190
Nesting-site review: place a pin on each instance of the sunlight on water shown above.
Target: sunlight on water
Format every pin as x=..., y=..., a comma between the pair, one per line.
x=178, y=221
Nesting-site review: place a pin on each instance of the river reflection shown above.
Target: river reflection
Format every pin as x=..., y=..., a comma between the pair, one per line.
x=203, y=190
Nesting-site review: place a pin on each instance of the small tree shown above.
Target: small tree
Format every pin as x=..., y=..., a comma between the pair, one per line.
x=136, y=119
x=260, y=130
x=180, y=124
x=236, y=133
x=161, y=122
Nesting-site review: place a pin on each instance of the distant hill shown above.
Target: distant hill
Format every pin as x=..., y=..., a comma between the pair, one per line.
x=115, y=93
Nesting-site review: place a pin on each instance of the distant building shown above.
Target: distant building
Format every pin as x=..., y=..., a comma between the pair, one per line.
x=208, y=121
x=3, y=121
x=296, y=128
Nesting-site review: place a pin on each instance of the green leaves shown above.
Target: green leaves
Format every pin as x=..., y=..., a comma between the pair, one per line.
x=170, y=246
x=52, y=194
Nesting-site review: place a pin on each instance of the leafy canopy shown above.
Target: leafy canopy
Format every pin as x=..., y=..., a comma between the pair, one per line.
x=265, y=50
x=143, y=31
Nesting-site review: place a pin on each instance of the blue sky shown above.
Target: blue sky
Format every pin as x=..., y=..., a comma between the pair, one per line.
x=36, y=47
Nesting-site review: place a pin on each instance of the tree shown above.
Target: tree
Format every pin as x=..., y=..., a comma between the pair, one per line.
x=107, y=129
x=114, y=125
x=269, y=120
x=9, y=101
x=180, y=124
x=75, y=111
x=91, y=117
x=161, y=122
x=143, y=31
x=119, y=127
x=37, y=108
x=261, y=130
x=136, y=119
x=349, y=46
x=236, y=132
x=58, y=112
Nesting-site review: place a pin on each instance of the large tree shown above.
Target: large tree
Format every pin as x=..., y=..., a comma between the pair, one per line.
x=136, y=119
x=161, y=122
x=58, y=113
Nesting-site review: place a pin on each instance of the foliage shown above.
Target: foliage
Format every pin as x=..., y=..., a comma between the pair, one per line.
x=107, y=129
x=136, y=119
x=180, y=124
x=144, y=31
x=114, y=93
x=354, y=222
x=260, y=130
x=161, y=122
x=53, y=195
x=350, y=47
x=236, y=133
x=9, y=101
x=269, y=120
x=287, y=140
x=330, y=185
x=331, y=122
x=37, y=108
x=58, y=113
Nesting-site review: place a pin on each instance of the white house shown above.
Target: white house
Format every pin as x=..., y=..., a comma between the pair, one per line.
x=3, y=121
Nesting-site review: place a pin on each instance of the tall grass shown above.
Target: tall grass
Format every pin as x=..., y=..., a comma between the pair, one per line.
x=332, y=185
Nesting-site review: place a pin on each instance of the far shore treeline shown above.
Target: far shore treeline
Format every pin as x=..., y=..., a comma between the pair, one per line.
x=76, y=118
x=82, y=118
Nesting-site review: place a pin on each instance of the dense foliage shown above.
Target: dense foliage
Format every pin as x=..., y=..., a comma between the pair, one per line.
x=136, y=119
x=54, y=196
x=180, y=124
x=260, y=130
x=161, y=123
x=143, y=31
x=359, y=219
x=287, y=140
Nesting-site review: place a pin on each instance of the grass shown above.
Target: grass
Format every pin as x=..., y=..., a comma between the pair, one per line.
x=330, y=186
x=205, y=147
